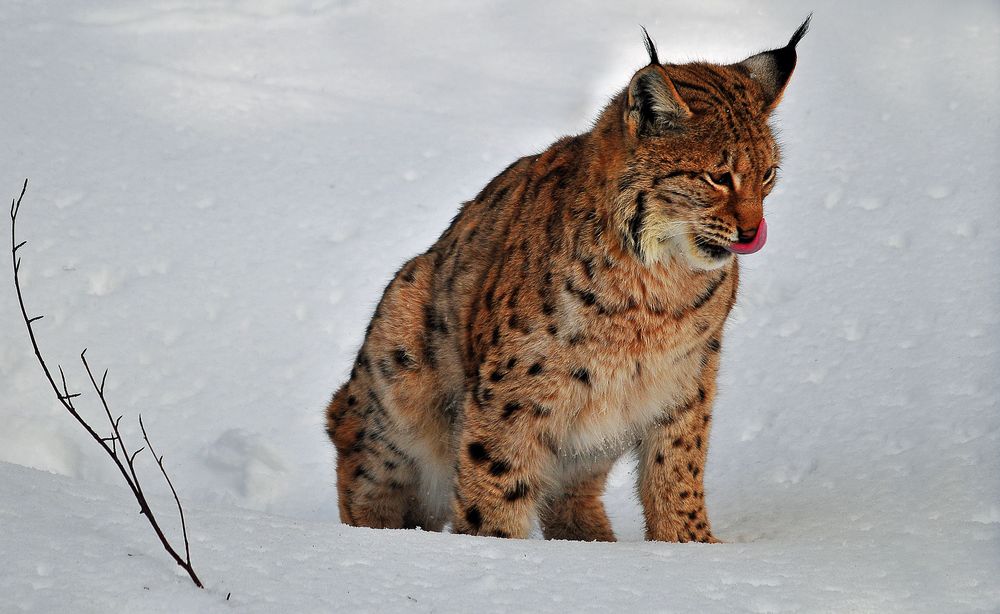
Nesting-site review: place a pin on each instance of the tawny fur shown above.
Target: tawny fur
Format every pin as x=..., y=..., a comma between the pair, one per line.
x=571, y=313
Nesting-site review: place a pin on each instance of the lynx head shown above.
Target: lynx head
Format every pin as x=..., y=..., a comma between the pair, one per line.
x=701, y=157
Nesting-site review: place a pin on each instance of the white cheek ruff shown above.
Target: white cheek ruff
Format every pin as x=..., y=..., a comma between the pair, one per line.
x=696, y=258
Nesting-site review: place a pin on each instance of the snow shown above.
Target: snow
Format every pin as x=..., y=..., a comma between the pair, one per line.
x=219, y=191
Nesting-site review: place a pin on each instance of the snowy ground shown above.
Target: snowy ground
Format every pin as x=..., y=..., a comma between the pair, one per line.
x=219, y=191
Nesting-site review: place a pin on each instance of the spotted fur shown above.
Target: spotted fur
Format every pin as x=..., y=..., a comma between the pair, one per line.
x=572, y=311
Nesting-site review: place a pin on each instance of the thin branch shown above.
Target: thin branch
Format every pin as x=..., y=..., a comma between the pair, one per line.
x=180, y=510
x=125, y=462
x=134, y=482
x=15, y=206
x=65, y=395
x=131, y=459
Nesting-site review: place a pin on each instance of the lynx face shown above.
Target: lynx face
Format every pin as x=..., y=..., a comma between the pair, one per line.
x=705, y=153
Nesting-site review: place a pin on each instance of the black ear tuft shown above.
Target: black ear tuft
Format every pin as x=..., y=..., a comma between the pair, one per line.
x=772, y=69
x=803, y=29
x=650, y=47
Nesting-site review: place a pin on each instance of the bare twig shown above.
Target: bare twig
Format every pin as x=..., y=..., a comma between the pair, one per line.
x=180, y=510
x=124, y=461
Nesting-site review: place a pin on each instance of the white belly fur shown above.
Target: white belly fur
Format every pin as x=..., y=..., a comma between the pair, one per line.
x=621, y=405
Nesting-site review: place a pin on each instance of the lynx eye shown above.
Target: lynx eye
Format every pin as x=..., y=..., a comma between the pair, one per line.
x=721, y=180
x=769, y=175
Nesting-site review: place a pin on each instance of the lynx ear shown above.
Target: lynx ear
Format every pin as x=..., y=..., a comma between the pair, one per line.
x=652, y=105
x=772, y=69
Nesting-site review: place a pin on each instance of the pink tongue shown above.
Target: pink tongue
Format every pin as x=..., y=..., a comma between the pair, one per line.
x=753, y=245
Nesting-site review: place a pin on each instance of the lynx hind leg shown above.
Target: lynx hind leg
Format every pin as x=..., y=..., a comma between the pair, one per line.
x=578, y=513
x=376, y=482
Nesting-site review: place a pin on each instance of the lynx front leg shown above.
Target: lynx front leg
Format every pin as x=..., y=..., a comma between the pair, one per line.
x=500, y=470
x=672, y=469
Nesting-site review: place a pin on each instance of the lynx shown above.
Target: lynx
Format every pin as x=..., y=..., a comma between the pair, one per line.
x=572, y=312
